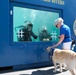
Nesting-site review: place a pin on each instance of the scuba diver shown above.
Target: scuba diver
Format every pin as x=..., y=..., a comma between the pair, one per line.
x=44, y=35
x=25, y=33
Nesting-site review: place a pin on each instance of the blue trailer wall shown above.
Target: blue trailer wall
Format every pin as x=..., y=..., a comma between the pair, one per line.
x=29, y=53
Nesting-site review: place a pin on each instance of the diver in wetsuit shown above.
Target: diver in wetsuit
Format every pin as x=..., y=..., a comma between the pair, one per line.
x=44, y=35
x=27, y=32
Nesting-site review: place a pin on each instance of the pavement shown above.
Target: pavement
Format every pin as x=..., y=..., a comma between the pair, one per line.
x=37, y=71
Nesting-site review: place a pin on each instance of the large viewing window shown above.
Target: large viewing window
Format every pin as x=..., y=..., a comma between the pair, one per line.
x=31, y=25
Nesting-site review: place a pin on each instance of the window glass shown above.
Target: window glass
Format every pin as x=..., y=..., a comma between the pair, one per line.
x=34, y=25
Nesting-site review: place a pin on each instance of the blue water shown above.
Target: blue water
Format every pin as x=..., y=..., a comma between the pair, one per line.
x=38, y=18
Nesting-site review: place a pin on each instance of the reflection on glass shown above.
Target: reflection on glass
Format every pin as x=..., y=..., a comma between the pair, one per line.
x=34, y=25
